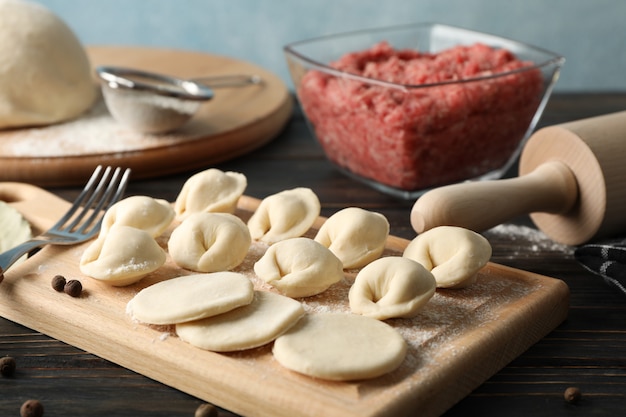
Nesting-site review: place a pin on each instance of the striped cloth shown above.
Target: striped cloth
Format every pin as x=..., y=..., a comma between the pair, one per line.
x=606, y=259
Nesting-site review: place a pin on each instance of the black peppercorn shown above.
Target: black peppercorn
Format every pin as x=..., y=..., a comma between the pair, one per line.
x=31, y=408
x=572, y=395
x=58, y=282
x=206, y=410
x=73, y=288
x=7, y=366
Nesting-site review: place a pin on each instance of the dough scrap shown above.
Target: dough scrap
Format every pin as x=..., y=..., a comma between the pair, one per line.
x=299, y=267
x=284, y=215
x=14, y=229
x=340, y=347
x=45, y=74
x=355, y=235
x=122, y=257
x=210, y=242
x=190, y=297
x=141, y=212
x=268, y=316
x=453, y=254
x=391, y=287
x=211, y=191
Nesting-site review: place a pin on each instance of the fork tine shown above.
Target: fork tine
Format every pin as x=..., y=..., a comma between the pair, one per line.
x=112, y=194
x=87, y=190
x=92, y=195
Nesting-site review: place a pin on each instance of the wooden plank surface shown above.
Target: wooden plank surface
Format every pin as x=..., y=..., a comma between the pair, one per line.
x=460, y=339
x=235, y=122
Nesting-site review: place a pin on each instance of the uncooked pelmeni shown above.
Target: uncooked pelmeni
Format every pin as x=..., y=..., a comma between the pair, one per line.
x=253, y=325
x=209, y=242
x=340, y=347
x=299, y=267
x=391, y=287
x=355, y=235
x=141, y=212
x=284, y=215
x=210, y=191
x=123, y=256
x=453, y=254
x=190, y=297
x=45, y=74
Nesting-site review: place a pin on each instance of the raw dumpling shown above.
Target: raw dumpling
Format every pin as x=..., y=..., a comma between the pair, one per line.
x=210, y=242
x=45, y=74
x=123, y=256
x=391, y=287
x=356, y=236
x=340, y=347
x=210, y=191
x=453, y=254
x=284, y=215
x=190, y=297
x=253, y=325
x=14, y=229
x=141, y=212
x=299, y=267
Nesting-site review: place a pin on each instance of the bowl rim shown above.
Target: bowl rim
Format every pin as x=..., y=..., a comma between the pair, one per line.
x=555, y=59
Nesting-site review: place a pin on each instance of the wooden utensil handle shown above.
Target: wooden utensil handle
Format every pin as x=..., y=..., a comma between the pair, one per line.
x=478, y=206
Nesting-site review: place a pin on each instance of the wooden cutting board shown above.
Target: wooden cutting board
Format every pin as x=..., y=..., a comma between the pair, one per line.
x=460, y=339
x=235, y=122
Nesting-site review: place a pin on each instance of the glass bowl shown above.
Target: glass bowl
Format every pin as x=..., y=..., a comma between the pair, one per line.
x=404, y=121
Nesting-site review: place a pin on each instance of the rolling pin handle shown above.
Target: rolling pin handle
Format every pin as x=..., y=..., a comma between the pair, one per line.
x=551, y=188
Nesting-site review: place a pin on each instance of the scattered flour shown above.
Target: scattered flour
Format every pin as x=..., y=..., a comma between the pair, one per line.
x=531, y=238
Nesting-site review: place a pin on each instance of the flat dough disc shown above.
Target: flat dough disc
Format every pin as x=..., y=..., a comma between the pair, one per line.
x=191, y=297
x=340, y=347
x=247, y=327
x=14, y=229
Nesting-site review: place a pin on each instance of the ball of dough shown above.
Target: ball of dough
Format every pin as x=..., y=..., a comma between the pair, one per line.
x=284, y=215
x=268, y=316
x=210, y=191
x=340, y=347
x=453, y=254
x=122, y=257
x=190, y=297
x=45, y=74
x=355, y=235
x=391, y=287
x=299, y=267
x=210, y=242
x=141, y=212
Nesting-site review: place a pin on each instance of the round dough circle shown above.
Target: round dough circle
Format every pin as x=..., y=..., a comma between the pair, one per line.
x=45, y=74
x=210, y=191
x=299, y=267
x=122, y=257
x=14, y=229
x=355, y=235
x=391, y=287
x=210, y=242
x=253, y=325
x=453, y=254
x=284, y=215
x=340, y=347
x=190, y=297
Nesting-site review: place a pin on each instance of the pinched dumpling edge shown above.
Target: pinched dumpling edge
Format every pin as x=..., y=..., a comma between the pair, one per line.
x=211, y=191
x=284, y=215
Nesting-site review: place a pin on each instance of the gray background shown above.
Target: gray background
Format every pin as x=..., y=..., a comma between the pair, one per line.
x=590, y=34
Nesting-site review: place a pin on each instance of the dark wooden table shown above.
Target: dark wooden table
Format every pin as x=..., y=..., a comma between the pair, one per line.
x=587, y=351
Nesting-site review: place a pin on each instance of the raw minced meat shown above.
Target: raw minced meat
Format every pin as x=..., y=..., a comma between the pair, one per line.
x=422, y=135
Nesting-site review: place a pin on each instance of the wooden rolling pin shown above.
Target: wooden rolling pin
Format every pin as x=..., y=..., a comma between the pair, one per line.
x=572, y=181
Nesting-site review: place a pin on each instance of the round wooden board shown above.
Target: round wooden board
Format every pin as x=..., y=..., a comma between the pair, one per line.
x=235, y=122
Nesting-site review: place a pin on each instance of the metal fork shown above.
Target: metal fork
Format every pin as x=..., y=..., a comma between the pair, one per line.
x=83, y=219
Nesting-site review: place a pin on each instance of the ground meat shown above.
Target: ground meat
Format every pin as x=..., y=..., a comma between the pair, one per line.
x=414, y=138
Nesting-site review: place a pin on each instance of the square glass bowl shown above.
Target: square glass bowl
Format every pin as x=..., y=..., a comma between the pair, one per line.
x=384, y=119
